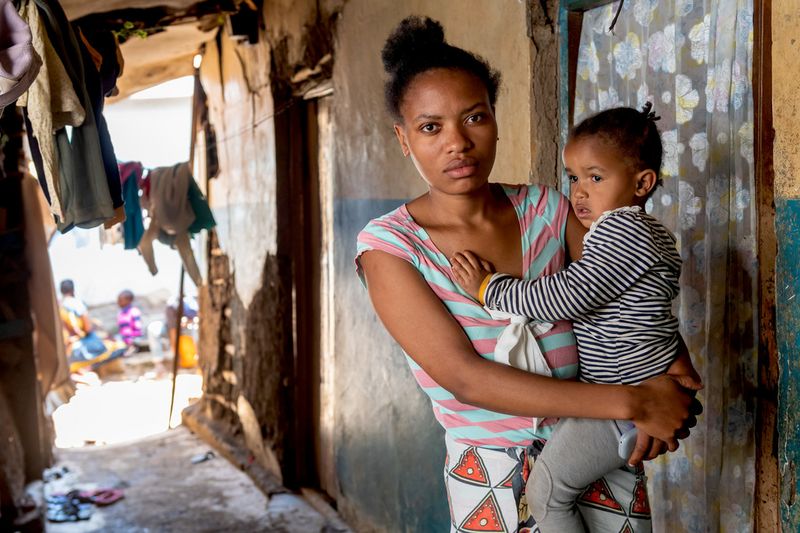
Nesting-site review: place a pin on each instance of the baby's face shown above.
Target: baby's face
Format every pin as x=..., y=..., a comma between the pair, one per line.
x=122, y=300
x=600, y=179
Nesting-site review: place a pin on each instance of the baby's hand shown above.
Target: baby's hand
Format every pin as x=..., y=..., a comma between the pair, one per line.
x=469, y=270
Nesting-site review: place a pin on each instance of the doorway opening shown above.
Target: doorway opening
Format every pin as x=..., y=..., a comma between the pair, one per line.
x=123, y=387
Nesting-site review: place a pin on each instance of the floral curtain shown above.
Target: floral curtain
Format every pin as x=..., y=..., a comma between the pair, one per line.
x=693, y=60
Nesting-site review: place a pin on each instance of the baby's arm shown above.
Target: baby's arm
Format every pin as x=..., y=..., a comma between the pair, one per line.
x=623, y=250
x=470, y=272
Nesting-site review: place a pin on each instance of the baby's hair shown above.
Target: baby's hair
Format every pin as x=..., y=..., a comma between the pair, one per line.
x=633, y=133
x=126, y=294
x=417, y=45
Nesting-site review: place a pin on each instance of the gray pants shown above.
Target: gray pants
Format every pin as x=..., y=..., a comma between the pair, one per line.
x=579, y=452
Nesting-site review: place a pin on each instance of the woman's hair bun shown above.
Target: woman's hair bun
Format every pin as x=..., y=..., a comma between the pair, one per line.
x=413, y=37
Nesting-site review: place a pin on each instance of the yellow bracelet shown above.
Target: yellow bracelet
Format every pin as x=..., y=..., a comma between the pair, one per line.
x=482, y=289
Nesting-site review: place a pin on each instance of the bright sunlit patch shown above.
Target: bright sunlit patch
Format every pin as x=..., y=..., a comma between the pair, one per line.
x=119, y=411
x=177, y=88
x=197, y=60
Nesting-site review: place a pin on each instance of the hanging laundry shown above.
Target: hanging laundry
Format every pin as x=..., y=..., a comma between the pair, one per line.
x=89, y=182
x=99, y=83
x=19, y=62
x=49, y=105
x=171, y=206
x=133, y=227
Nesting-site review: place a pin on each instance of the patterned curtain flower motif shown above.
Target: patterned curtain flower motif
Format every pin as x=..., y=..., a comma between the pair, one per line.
x=661, y=50
x=608, y=99
x=644, y=10
x=628, y=57
x=643, y=96
x=745, y=136
x=698, y=37
x=588, y=63
x=698, y=144
x=690, y=206
x=741, y=85
x=717, y=87
x=686, y=98
x=672, y=152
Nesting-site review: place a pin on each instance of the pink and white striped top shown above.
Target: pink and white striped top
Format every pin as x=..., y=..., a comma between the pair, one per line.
x=542, y=214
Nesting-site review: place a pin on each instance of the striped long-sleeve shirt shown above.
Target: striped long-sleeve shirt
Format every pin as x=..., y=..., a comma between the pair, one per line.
x=619, y=295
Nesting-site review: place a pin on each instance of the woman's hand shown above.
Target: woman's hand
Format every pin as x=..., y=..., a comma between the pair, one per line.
x=665, y=409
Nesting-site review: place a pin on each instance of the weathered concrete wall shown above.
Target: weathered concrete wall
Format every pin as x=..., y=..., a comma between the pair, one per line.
x=246, y=307
x=786, y=111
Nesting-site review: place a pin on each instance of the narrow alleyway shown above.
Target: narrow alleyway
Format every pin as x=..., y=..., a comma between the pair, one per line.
x=166, y=491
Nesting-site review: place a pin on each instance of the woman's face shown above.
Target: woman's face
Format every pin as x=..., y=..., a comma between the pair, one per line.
x=449, y=130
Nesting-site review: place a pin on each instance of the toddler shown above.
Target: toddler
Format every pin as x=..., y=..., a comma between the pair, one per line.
x=618, y=294
x=129, y=318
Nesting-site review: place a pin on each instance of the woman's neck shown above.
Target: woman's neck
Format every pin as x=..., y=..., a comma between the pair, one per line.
x=436, y=209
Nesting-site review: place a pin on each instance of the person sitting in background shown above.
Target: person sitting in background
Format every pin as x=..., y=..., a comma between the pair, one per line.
x=84, y=347
x=129, y=318
x=81, y=340
x=190, y=309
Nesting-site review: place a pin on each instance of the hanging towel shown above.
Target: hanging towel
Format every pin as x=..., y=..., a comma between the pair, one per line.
x=169, y=197
x=172, y=200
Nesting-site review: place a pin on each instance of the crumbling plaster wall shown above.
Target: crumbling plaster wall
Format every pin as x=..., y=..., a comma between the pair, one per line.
x=246, y=305
x=786, y=110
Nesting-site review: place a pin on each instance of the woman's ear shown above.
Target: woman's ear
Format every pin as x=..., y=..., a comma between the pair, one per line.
x=401, y=138
x=645, y=182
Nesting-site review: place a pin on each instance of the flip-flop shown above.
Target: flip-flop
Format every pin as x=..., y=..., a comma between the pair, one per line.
x=102, y=497
x=67, y=509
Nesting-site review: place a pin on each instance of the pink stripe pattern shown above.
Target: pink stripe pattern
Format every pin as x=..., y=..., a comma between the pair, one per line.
x=542, y=214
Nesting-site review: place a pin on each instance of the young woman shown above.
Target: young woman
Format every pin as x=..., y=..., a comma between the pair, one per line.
x=442, y=100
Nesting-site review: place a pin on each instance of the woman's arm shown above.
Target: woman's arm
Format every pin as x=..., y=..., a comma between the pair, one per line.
x=420, y=323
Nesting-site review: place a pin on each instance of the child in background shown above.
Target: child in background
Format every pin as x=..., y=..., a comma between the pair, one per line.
x=129, y=318
x=619, y=295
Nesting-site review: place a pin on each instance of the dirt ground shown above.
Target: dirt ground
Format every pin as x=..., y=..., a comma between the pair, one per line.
x=113, y=435
x=164, y=491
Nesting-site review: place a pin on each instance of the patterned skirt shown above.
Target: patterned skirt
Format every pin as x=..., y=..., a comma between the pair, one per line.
x=486, y=493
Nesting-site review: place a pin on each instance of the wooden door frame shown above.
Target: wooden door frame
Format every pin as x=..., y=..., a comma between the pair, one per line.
x=767, y=489
x=305, y=229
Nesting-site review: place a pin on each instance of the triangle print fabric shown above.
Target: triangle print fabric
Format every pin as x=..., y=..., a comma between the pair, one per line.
x=598, y=494
x=486, y=517
x=471, y=469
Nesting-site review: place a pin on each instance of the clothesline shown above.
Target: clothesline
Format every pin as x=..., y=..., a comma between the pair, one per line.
x=282, y=109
